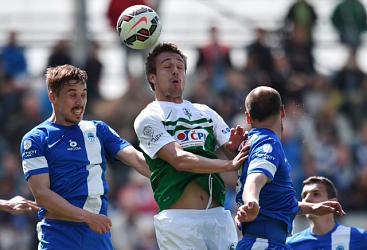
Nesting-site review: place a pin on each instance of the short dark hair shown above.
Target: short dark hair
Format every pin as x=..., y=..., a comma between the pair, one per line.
x=328, y=184
x=262, y=103
x=59, y=76
x=150, y=67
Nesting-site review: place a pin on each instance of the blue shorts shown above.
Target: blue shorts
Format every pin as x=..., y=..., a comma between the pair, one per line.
x=255, y=243
x=266, y=234
x=61, y=235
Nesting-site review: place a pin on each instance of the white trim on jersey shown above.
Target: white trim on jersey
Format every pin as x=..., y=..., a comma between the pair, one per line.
x=34, y=163
x=263, y=164
x=340, y=237
x=94, y=181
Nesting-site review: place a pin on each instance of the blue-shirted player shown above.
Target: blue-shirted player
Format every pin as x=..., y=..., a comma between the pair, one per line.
x=265, y=193
x=64, y=162
x=324, y=233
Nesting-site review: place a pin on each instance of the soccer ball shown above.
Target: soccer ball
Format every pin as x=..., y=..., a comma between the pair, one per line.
x=139, y=27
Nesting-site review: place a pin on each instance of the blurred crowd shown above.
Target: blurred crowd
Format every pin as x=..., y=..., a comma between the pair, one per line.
x=325, y=130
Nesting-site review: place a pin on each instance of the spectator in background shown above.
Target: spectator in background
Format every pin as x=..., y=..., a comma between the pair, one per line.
x=261, y=51
x=361, y=146
x=133, y=220
x=345, y=174
x=93, y=67
x=301, y=14
x=214, y=61
x=299, y=51
x=20, y=122
x=14, y=62
x=349, y=18
x=348, y=83
x=324, y=232
x=60, y=54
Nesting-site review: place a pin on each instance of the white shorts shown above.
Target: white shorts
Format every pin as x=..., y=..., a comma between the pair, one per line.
x=189, y=229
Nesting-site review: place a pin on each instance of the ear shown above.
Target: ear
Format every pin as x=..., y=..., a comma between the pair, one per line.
x=248, y=118
x=282, y=111
x=152, y=78
x=51, y=97
x=334, y=199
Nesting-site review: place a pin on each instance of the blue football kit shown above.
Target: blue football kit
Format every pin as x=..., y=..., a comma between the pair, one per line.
x=278, y=204
x=74, y=157
x=339, y=238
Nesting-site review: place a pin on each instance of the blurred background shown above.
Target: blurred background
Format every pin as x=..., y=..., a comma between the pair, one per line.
x=313, y=52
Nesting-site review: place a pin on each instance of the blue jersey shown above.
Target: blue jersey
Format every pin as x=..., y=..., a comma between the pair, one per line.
x=339, y=238
x=277, y=197
x=74, y=157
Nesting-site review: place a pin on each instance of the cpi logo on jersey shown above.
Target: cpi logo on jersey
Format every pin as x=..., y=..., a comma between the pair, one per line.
x=188, y=138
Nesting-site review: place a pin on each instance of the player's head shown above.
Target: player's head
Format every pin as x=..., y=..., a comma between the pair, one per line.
x=327, y=184
x=152, y=62
x=67, y=91
x=262, y=104
x=318, y=189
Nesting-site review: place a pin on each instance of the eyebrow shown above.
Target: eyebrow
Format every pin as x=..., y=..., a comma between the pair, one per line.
x=171, y=59
x=72, y=90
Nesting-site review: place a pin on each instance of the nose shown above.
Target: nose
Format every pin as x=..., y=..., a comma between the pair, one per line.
x=307, y=198
x=175, y=71
x=80, y=100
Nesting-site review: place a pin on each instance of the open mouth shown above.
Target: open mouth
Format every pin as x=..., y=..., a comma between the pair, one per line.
x=78, y=111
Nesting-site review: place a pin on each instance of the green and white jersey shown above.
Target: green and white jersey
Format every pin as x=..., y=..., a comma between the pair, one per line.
x=197, y=128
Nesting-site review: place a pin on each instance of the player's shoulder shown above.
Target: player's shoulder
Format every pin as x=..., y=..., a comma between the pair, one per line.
x=260, y=137
x=38, y=131
x=151, y=109
x=199, y=106
x=358, y=231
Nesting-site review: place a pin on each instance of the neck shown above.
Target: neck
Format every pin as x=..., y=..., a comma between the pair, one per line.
x=322, y=224
x=275, y=126
x=174, y=100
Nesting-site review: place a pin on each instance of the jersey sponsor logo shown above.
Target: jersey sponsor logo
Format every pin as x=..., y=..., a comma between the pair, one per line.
x=27, y=144
x=267, y=148
x=91, y=137
x=339, y=248
x=28, y=154
x=265, y=156
x=73, y=146
x=188, y=138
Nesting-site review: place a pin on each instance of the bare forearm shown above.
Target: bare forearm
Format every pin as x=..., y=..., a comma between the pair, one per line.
x=195, y=163
x=57, y=205
x=254, y=183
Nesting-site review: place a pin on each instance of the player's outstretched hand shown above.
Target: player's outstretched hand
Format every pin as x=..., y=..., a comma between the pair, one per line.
x=327, y=207
x=247, y=212
x=19, y=205
x=237, y=135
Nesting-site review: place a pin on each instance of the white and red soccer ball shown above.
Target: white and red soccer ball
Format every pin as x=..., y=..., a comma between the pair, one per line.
x=139, y=27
